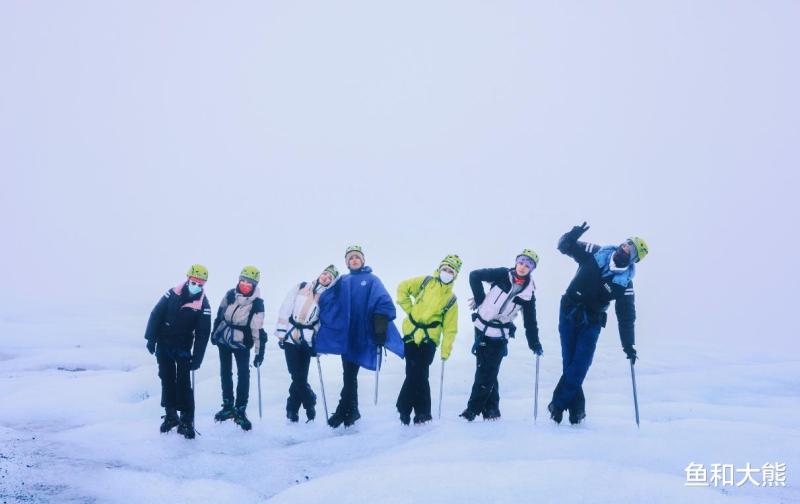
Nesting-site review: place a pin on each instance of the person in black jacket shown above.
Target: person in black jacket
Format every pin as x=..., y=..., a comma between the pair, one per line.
x=604, y=274
x=512, y=290
x=177, y=333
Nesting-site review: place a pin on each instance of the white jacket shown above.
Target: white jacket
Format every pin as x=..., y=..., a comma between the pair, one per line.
x=300, y=306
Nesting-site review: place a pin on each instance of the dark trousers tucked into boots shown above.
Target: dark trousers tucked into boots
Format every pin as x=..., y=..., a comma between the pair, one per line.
x=485, y=396
x=298, y=359
x=176, y=384
x=242, y=375
x=416, y=391
x=348, y=399
x=579, y=335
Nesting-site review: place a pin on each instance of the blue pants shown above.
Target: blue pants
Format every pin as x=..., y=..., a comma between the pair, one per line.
x=578, y=342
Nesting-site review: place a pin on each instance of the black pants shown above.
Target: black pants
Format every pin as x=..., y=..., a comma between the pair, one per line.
x=485, y=394
x=176, y=384
x=298, y=359
x=416, y=391
x=348, y=399
x=242, y=375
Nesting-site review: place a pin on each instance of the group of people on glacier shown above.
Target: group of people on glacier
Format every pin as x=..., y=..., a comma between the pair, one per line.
x=352, y=315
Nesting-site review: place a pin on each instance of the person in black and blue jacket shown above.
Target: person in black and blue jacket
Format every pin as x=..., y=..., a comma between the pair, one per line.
x=177, y=333
x=512, y=291
x=604, y=274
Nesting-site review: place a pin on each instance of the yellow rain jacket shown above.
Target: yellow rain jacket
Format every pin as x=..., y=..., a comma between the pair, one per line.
x=427, y=306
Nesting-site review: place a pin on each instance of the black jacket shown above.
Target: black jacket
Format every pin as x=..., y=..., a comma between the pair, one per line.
x=180, y=321
x=590, y=291
x=499, y=277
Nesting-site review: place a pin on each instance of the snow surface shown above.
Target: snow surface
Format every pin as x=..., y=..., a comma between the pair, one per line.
x=81, y=414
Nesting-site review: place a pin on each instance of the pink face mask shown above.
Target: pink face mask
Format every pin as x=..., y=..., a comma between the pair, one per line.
x=245, y=288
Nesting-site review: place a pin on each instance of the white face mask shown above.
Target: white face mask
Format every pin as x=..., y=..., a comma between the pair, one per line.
x=446, y=277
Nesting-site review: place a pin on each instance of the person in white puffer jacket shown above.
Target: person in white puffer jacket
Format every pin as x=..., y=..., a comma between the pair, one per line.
x=298, y=322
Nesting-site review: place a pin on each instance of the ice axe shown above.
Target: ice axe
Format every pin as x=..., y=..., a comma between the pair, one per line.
x=378, y=359
x=322, y=386
x=635, y=398
x=536, y=393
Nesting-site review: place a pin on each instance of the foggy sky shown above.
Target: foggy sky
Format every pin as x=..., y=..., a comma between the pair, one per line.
x=137, y=138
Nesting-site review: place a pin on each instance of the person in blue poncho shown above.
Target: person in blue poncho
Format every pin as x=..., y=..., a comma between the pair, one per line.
x=356, y=317
x=604, y=274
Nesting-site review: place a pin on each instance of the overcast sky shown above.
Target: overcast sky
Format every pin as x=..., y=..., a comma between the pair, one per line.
x=139, y=137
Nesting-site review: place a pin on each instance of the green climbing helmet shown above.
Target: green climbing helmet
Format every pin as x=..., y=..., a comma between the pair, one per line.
x=353, y=248
x=453, y=261
x=198, y=271
x=533, y=256
x=641, y=247
x=250, y=273
x=332, y=271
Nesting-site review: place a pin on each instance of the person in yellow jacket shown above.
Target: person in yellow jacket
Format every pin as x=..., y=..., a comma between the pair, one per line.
x=432, y=319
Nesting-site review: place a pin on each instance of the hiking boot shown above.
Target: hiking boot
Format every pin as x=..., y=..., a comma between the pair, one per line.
x=226, y=413
x=241, y=419
x=468, y=414
x=422, y=419
x=351, y=417
x=292, y=416
x=170, y=420
x=337, y=418
x=491, y=414
x=557, y=415
x=576, y=418
x=186, y=427
x=405, y=418
x=311, y=414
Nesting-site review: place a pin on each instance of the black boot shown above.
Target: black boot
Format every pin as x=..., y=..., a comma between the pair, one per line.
x=292, y=416
x=170, y=420
x=241, y=418
x=226, y=413
x=422, y=419
x=491, y=414
x=310, y=406
x=405, y=418
x=338, y=417
x=352, y=416
x=555, y=413
x=576, y=417
x=468, y=414
x=186, y=427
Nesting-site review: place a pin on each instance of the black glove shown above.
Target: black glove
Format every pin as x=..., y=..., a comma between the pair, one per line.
x=630, y=353
x=577, y=231
x=194, y=364
x=282, y=343
x=380, y=324
x=151, y=346
x=537, y=348
x=259, y=359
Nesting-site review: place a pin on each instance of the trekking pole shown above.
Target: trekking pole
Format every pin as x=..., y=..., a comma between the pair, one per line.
x=441, y=389
x=322, y=387
x=635, y=398
x=536, y=393
x=258, y=372
x=377, y=371
x=193, y=380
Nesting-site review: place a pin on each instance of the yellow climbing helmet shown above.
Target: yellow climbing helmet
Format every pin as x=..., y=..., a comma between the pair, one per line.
x=250, y=273
x=533, y=256
x=198, y=271
x=452, y=261
x=641, y=247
